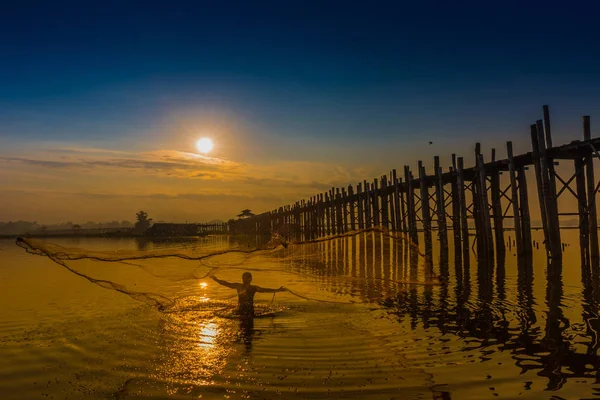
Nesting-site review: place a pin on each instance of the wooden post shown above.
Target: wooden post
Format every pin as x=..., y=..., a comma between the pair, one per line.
x=455, y=213
x=584, y=240
x=402, y=205
x=344, y=202
x=538, y=177
x=484, y=211
x=441, y=206
x=315, y=217
x=397, y=201
x=351, y=202
x=479, y=235
x=309, y=211
x=549, y=193
x=547, y=130
x=391, y=202
x=525, y=215
x=425, y=212
x=338, y=210
x=323, y=215
x=367, y=200
x=515, y=199
x=327, y=211
x=375, y=203
x=463, y=211
x=359, y=203
x=384, y=203
x=410, y=204
x=497, y=209
x=333, y=211
x=312, y=217
x=303, y=219
x=592, y=216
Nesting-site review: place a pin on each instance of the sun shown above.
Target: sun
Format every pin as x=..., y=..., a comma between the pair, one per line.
x=204, y=145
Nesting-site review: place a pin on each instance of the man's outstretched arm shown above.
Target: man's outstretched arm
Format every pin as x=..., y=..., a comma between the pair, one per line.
x=224, y=283
x=269, y=290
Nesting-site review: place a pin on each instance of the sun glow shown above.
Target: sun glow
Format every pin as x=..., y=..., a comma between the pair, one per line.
x=204, y=145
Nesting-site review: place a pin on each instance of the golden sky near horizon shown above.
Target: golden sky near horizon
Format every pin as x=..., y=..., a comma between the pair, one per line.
x=81, y=184
x=161, y=171
x=91, y=184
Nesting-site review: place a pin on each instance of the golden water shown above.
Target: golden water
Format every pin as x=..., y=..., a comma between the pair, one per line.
x=505, y=331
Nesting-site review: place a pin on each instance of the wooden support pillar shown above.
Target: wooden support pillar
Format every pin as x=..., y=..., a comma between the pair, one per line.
x=441, y=206
x=582, y=203
x=304, y=219
x=547, y=144
x=402, y=199
x=307, y=216
x=333, y=211
x=397, y=202
x=591, y=186
x=497, y=210
x=425, y=212
x=311, y=213
x=359, y=204
x=352, y=211
x=535, y=152
x=301, y=226
x=338, y=210
x=344, y=202
x=547, y=129
x=318, y=217
x=315, y=218
x=463, y=213
x=375, y=204
x=327, y=211
x=515, y=200
x=391, y=202
x=525, y=215
x=324, y=228
x=549, y=193
x=367, y=201
x=479, y=235
x=299, y=222
x=487, y=242
x=384, y=203
x=455, y=213
x=410, y=204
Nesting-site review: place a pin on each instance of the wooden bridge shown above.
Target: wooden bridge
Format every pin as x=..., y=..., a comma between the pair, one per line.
x=161, y=229
x=454, y=199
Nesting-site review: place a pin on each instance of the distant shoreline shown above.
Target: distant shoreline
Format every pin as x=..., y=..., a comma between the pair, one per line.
x=118, y=234
x=71, y=235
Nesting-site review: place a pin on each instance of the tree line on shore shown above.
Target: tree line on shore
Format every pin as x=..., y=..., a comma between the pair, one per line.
x=22, y=227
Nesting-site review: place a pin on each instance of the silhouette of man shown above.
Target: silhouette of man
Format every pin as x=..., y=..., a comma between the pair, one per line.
x=246, y=293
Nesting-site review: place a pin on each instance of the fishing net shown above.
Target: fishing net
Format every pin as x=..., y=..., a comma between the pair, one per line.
x=173, y=277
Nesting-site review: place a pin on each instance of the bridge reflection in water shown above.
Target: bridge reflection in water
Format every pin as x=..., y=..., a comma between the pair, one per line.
x=516, y=307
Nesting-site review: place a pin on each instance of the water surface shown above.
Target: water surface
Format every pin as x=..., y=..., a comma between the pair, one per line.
x=509, y=330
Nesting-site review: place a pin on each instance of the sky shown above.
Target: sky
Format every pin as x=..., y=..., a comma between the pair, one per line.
x=101, y=103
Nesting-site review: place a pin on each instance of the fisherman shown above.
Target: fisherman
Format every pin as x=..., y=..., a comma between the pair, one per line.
x=246, y=293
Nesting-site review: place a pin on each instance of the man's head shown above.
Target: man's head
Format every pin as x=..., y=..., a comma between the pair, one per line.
x=247, y=277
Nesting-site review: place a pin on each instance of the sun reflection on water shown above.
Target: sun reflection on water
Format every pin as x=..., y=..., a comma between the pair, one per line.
x=195, y=349
x=208, y=334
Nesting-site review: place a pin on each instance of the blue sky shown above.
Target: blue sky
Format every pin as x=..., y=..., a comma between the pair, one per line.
x=361, y=86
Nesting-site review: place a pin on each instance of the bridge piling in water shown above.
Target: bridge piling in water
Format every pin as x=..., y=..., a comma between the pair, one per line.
x=459, y=196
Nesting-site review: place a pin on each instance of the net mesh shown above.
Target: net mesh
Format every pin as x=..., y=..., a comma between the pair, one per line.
x=168, y=278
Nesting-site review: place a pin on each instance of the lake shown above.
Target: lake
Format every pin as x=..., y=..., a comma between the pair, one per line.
x=364, y=321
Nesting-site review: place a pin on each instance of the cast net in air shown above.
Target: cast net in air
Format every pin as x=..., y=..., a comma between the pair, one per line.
x=175, y=276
